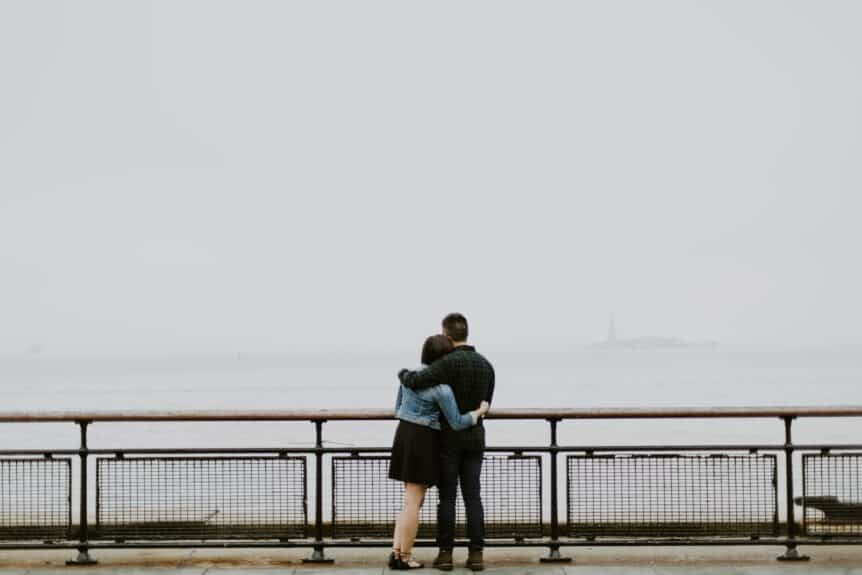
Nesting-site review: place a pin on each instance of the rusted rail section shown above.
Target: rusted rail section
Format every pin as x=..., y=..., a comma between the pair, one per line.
x=381, y=414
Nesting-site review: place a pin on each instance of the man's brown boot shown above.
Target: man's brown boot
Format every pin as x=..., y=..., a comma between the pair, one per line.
x=475, y=561
x=443, y=562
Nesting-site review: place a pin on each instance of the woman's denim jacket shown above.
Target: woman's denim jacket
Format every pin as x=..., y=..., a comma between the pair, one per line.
x=423, y=406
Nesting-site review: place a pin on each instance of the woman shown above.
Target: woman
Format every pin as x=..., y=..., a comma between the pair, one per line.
x=416, y=448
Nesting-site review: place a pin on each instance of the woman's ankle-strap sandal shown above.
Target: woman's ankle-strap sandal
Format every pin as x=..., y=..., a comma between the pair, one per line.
x=406, y=562
x=394, y=558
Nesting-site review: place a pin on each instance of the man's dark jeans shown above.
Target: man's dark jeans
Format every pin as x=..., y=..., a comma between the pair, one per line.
x=466, y=465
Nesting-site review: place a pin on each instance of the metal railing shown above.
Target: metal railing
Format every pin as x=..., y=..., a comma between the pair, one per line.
x=708, y=494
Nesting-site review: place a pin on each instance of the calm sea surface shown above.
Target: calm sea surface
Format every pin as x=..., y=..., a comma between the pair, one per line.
x=579, y=378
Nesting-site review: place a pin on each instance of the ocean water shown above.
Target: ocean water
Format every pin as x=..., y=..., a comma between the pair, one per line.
x=575, y=378
x=551, y=379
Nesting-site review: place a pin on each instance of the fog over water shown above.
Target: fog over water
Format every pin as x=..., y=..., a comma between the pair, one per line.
x=577, y=378
x=741, y=376
x=227, y=204
x=222, y=176
x=246, y=205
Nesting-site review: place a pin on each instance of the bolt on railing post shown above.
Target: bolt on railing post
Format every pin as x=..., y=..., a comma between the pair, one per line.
x=791, y=554
x=317, y=555
x=83, y=557
x=554, y=553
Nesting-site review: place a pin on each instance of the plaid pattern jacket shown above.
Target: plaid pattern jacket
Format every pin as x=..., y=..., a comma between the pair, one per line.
x=471, y=378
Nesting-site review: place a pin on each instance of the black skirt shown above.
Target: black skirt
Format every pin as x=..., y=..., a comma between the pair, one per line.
x=415, y=454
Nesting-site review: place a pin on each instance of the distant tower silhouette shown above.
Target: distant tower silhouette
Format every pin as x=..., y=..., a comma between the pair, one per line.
x=612, y=331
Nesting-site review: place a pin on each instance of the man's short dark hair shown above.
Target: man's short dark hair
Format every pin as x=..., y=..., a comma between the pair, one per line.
x=455, y=326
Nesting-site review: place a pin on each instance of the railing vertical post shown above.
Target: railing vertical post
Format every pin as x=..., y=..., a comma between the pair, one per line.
x=83, y=557
x=317, y=555
x=791, y=554
x=554, y=553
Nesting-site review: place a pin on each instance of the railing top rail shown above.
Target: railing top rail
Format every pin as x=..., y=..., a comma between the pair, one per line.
x=385, y=414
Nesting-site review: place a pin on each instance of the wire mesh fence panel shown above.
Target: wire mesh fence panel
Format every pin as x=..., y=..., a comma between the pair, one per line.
x=832, y=494
x=35, y=499
x=512, y=496
x=365, y=502
x=201, y=498
x=672, y=495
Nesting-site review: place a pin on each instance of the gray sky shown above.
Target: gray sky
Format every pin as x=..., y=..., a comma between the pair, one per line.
x=272, y=176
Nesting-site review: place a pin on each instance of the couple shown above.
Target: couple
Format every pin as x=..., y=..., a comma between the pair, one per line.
x=428, y=449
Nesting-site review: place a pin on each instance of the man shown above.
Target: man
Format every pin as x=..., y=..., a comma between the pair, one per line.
x=471, y=378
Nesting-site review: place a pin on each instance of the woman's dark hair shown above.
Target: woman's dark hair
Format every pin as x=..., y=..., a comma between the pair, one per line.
x=435, y=347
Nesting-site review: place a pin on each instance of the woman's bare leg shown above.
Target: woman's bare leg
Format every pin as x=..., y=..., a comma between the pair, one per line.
x=396, y=536
x=414, y=496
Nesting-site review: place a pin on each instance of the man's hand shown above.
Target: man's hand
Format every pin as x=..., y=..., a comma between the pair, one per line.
x=423, y=377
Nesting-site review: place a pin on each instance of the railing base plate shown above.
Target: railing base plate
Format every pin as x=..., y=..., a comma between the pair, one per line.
x=318, y=557
x=83, y=558
x=555, y=557
x=792, y=554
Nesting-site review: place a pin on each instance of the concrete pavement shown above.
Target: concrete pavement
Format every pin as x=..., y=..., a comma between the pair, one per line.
x=587, y=561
